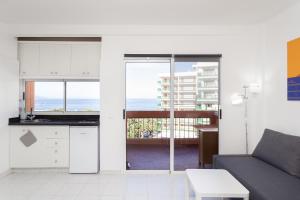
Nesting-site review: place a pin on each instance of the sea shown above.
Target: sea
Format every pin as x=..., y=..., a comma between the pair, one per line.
x=74, y=105
x=142, y=104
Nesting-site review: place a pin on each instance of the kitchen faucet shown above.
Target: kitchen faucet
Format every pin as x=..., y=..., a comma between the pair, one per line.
x=31, y=116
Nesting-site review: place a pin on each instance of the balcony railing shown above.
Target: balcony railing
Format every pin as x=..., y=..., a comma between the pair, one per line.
x=145, y=126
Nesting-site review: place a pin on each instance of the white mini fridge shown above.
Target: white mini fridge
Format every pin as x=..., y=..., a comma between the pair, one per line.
x=84, y=149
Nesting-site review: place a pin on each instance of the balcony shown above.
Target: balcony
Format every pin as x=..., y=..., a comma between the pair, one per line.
x=207, y=77
x=148, y=138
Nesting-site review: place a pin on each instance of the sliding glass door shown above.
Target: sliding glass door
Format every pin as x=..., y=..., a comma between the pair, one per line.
x=168, y=100
x=148, y=113
x=196, y=104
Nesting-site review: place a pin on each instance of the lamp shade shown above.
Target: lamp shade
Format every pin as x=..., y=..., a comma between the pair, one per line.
x=255, y=88
x=236, y=99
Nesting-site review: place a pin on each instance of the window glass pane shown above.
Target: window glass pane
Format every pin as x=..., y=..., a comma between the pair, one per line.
x=44, y=96
x=147, y=86
x=83, y=96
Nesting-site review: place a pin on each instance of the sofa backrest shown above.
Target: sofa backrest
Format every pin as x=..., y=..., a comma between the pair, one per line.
x=280, y=150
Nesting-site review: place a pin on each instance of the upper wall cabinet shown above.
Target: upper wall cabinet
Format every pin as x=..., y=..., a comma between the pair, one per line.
x=85, y=60
x=57, y=60
x=29, y=59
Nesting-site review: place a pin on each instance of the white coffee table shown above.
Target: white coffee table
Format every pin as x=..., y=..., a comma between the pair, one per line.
x=214, y=183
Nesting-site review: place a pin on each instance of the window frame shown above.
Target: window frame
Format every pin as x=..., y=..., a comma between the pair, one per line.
x=65, y=112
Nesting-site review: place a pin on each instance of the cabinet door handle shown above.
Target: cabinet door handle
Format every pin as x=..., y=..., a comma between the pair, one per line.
x=83, y=133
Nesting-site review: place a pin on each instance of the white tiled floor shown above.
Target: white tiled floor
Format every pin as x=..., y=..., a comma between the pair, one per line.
x=37, y=185
x=54, y=185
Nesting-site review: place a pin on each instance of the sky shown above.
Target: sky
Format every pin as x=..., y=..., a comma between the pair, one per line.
x=141, y=78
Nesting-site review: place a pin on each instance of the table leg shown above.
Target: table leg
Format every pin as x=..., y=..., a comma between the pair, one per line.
x=187, y=189
x=198, y=197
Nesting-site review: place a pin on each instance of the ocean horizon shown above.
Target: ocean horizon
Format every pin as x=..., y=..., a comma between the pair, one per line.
x=132, y=104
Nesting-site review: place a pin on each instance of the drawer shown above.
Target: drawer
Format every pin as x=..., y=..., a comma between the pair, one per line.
x=57, y=132
x=59, y=162
x=57, y=151
x=57, y=143
x=59, y=158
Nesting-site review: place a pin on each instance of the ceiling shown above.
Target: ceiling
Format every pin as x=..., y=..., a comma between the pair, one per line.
x=140, y=12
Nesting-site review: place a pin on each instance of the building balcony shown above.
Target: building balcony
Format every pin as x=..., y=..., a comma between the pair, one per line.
x=208, y=89
x=207, y=100
x=212, y=77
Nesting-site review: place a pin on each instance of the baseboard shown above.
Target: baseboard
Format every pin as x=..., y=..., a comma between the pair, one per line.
x=154, y=172
x=5, y=173
x=38, y=170
x=111, y=172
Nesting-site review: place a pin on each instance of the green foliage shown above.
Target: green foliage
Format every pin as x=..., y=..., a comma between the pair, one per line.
x=135, y=126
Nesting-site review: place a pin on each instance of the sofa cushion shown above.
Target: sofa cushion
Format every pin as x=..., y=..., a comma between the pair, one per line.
x=264, y=181
x=280, y=150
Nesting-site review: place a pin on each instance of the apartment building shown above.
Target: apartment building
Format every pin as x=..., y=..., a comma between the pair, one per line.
x=195, y=90
x=185, y=91
x=207, y=85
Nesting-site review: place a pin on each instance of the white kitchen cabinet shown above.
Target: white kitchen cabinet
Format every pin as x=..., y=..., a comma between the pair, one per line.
x=52, y=60
x=85, y=60
x=51, y=148
x=55, y=59
x=29, y=57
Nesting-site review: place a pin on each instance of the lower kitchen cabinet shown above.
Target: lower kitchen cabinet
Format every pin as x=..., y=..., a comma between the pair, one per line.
x=39, y=146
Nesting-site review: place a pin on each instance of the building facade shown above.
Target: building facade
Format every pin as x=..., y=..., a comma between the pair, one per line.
x=195, y=90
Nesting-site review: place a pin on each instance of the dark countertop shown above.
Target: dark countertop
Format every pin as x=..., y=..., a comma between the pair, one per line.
x=69, y=120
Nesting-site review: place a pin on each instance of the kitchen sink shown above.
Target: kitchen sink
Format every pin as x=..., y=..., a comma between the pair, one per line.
x=34, y=120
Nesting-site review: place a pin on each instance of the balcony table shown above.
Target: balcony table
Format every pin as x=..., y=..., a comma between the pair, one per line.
x=208, y=144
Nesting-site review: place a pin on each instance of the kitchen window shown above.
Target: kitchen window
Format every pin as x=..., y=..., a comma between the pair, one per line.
x=82, y=96
x=62, y=96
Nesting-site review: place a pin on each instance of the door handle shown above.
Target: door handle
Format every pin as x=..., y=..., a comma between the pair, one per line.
x=124, y=113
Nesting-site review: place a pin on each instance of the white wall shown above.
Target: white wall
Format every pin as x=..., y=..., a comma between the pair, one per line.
x=241, y=64
x=280, y=114
x=9, y=91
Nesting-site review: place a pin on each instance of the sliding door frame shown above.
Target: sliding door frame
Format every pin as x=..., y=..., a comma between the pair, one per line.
x=170, y=58
x=159, y=58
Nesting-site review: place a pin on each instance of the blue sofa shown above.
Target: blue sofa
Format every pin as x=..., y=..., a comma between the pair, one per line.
x=272, y=172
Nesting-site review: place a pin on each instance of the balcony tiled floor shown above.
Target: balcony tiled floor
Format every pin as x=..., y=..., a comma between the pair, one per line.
x=41, y=185
x=156, y=157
